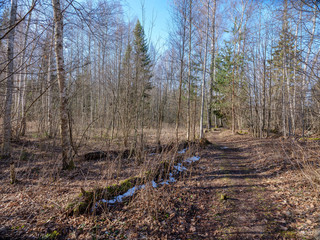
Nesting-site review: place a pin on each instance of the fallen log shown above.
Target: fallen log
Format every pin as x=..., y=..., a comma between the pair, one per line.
x=85, y=201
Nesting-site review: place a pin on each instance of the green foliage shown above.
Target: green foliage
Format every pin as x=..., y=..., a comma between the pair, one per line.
x=86, y=199
x=225, y=64
x=223, y=197
x=284, y=51
x=51, y=236
x=142, y=59
x=309, y=139
x=241, y=132
x=289, y=234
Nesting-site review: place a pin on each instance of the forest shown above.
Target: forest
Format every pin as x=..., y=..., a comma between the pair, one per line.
x=212, y=132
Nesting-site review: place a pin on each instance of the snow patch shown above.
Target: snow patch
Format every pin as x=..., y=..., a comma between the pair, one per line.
x=192, y=159
x=170, y=180
x=183, y=151
x=129, y=193
x=224, y=148
x=180, y=168
x=154, y=184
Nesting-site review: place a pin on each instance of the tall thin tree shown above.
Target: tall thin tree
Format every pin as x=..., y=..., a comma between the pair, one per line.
x=7, y=133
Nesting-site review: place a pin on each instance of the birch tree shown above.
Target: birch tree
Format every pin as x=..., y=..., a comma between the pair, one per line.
x=7, y=132
x=65, y=142
x=204, y=70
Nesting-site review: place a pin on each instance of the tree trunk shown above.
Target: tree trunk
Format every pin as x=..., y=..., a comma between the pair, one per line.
x=22, y=87
x=203, y=85
x=212, y=67
x=7, y=132
x=181, y=78
x=65, y=144
x=189, y=73
x=304, y=89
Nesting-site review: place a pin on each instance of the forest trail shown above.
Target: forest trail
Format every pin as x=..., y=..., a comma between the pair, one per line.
x=241, y=188
x=233, y=199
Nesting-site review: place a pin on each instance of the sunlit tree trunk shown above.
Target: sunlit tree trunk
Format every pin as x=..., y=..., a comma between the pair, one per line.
x=7, y=132
x=294, y=102
x=212, y=67
x=304, y=78
x=189, y=72
x=65, y=143
x=21, y=119
x=182, y=51
x=203, y=85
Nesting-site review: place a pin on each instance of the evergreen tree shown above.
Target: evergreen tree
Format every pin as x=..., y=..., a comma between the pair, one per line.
x=283, y=65
x=142, y=81
x=228, y=63
x=223, y=83
x=142, y=59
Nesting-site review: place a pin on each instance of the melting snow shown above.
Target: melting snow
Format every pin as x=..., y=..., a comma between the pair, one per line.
x=129, y=193
x=180, y=168
x=192, y=159
x=182, y=151
x=154, y=184
x=171, y=179
x=224, y=147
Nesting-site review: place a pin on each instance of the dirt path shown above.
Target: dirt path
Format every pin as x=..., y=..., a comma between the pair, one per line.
x=231, y=198
x=242, y=188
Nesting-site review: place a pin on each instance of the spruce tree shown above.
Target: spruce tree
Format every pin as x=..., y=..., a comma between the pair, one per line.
x=142, y=59
x=142, y=80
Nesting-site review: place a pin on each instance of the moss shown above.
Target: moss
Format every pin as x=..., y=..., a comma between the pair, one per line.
x=122, y=187
x=52, y=235
x=288, y=234
x=80, y=208
x=223, y=197
x=85, y=200
x=241, y=132
x=309, y=139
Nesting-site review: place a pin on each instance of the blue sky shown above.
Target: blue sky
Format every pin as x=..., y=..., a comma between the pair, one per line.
x=156, y=13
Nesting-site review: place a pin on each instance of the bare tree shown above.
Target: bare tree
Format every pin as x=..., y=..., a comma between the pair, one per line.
x=65, y=143
x=204, y=73
x=7, y=133
x=212, y=64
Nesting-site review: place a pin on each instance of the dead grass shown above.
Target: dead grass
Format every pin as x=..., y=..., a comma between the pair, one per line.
x=35, y=206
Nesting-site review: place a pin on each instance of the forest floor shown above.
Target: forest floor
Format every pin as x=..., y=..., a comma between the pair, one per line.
x=241, y=188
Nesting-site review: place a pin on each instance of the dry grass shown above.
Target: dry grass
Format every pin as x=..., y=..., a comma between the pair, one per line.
x=35, y=206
